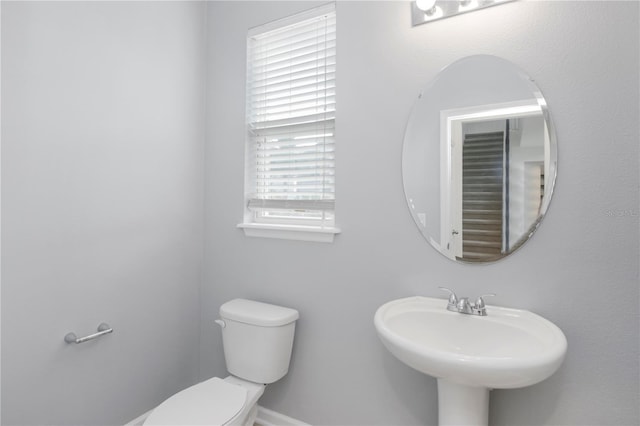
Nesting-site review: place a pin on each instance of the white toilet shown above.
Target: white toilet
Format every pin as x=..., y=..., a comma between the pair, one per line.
x=257, y=339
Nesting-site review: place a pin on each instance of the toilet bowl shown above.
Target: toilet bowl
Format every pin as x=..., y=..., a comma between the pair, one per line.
x=257, y=339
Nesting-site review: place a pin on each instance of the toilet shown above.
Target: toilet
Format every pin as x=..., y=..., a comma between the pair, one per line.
x=257, y=339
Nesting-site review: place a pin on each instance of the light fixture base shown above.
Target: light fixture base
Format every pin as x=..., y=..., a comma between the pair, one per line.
x=447, y=8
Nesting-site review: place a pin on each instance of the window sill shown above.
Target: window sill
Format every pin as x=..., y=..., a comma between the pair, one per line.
x=289, y=232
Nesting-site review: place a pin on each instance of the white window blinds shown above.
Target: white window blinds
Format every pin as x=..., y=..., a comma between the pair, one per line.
x=291, y=68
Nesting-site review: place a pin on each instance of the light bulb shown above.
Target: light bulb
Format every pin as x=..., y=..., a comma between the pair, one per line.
x=467, y=5
x=425, y=5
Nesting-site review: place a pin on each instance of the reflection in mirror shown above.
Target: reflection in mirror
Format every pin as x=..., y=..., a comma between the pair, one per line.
x=479, y=160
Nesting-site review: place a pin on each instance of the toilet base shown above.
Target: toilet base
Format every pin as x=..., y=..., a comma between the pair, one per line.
x=247, y=416
x=253, y=415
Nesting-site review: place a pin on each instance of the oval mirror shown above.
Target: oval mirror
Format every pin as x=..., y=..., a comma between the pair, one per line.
x=479, y=159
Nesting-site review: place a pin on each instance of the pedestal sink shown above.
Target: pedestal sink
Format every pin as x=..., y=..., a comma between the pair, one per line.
x=468, y=354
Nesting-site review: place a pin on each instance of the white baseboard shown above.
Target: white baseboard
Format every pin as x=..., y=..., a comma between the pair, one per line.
x=268, y=417
x=265, y=417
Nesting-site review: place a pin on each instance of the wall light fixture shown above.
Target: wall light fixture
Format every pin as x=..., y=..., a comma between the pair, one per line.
x=423, y=11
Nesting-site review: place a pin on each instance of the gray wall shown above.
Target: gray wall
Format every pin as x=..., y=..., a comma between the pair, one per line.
x=102, y=210
x=102, y=179
x=580, y=269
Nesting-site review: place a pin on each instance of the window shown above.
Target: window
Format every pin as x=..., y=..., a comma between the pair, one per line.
x=290, y=123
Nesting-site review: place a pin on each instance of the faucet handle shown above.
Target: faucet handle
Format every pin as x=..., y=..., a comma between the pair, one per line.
x=480, y=301
x=453, y=299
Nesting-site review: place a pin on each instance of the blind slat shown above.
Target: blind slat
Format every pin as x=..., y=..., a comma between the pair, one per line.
x=317, y=42
x=317, y=84
x=295, y=156
x=271, y=119
x=315, y=119
x=256, y=203
x=270, y=80
x=293, y=31
x=283, y=68
x=294, y=106
x=322, y=59
x=286, y=96
x=291, y=131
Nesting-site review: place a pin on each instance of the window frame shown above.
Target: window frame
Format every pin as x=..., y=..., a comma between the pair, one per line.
x=301, y=219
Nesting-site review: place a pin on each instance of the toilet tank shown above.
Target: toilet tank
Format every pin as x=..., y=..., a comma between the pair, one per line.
x=257, y=339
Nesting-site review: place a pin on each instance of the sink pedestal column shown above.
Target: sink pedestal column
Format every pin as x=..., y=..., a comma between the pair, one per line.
x=462, y=405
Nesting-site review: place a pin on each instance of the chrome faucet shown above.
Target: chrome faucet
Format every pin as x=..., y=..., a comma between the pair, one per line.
x=463, y=306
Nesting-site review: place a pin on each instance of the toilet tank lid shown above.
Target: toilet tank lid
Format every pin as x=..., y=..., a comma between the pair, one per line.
x=257, y=313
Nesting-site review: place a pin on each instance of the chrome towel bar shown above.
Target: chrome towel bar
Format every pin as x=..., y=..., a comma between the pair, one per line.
x=102, y=330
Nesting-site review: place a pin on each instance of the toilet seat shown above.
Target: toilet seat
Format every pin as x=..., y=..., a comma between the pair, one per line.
x=212, y=402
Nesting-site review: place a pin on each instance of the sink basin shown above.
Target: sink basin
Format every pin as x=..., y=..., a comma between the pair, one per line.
x=508, y=348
